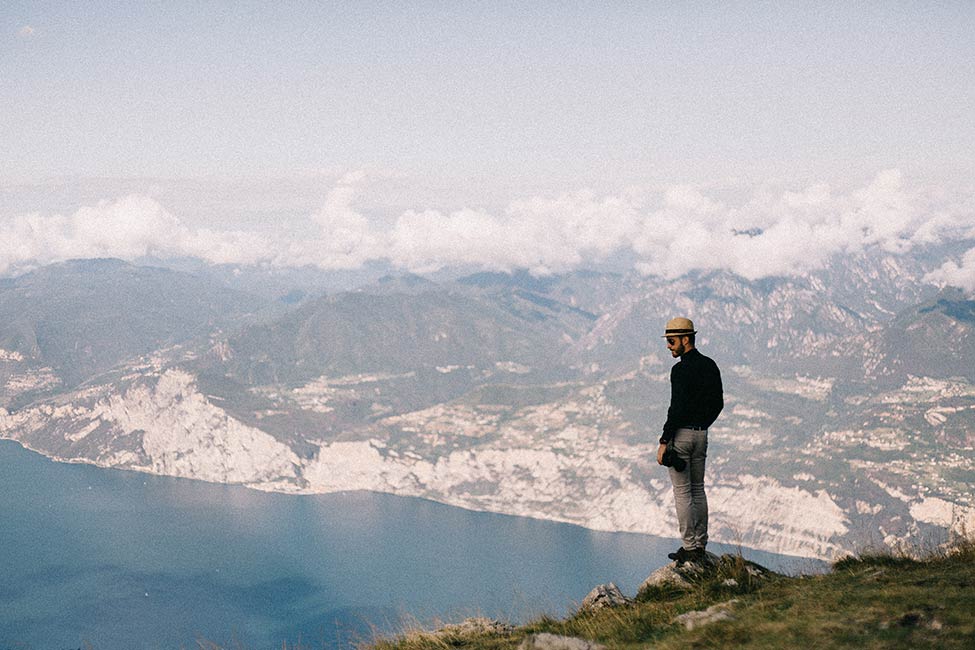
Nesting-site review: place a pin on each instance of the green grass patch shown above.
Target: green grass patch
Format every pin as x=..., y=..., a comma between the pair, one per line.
x=871, y=601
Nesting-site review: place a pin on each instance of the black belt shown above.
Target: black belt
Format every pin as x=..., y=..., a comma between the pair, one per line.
x=694, y=428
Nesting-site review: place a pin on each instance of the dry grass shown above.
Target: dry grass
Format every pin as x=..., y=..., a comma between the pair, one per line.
x=875, y=600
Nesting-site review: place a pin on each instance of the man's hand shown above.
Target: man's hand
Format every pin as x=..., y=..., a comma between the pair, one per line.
x=660, y=453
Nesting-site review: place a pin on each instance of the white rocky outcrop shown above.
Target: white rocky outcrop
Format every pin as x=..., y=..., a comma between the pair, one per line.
x=956, y=518
x=185, y=435
x=593, y=490
x=167, y=428
x=793, y=521
x=572, y=460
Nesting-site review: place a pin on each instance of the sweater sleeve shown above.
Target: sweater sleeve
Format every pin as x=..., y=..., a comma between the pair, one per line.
x=715, y=396
x=675, y=414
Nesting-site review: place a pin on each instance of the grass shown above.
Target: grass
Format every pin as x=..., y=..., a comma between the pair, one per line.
x=870, y=601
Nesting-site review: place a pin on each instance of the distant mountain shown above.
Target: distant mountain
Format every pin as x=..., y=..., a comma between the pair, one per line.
x=83, y=317
x=406, y=283
x=803, y=324
x=850, y=395
x=396, y=332
x=520, y=279
x=272, y=282
x=590, y=291
x=935, y=338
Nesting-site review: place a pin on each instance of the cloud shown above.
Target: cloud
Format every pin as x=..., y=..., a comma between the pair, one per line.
x=225, y=247
x=770, y=234
x=130, y=227
x=542, y=235
x=790, y=233
x=26, y=31
x=345, y=238
x=668, y=233
x=957, y=274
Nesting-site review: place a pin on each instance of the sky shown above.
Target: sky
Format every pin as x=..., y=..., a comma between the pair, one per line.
x=547, y=136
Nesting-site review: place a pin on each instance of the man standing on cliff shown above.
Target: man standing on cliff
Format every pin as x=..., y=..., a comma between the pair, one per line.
x=696, y=398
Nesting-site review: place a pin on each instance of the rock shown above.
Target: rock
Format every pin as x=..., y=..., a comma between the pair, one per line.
x=545, y=641
x=689, y=573
x=473, y=626
x=713, y=614
x=681, y=576
x=604, y=596
x=668, y=575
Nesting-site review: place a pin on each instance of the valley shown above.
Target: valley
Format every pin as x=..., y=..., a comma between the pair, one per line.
x=501, y=395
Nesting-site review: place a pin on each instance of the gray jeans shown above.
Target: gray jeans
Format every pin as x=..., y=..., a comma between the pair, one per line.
x=692, y=504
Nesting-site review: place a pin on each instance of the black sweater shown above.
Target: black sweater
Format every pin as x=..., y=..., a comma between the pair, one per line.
x=696, y=396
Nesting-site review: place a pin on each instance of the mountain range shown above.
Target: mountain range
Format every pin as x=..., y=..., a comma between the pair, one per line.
x=850, y=392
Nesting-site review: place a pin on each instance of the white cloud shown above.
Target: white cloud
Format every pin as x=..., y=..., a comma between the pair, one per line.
x=674, y=231
x=787, y=234
x=542, y=235
x=345, y=237
x=957, y=274
x=881, y=213
x=581, y=224
x=225, y=247
x=129, y=227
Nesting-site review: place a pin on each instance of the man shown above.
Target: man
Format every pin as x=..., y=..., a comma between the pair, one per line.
x=696, y=398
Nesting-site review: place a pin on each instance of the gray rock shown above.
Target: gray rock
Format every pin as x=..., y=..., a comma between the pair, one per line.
x=679, y=576
x=684, y=576
x=545, y=641
x=668, y=575
x=479, y=625
x=604, y=596
x=713, y=614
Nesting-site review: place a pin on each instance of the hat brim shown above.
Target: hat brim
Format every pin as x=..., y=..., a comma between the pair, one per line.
x=679, y=333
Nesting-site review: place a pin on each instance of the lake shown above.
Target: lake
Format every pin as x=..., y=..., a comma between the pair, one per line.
x=119, y=560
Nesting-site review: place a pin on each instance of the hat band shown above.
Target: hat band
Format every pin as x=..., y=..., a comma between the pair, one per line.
x=671, y=332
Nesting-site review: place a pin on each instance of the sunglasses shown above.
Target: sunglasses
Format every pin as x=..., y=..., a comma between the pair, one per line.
x=671, y=340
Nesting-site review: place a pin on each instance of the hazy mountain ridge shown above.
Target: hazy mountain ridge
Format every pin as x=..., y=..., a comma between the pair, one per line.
x=544, y=398
x=803, y=324
x=82, y=318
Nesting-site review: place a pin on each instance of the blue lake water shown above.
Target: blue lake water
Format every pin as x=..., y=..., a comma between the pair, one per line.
x=120, y=560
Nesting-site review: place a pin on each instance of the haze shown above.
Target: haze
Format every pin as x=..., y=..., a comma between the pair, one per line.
x=425, y=136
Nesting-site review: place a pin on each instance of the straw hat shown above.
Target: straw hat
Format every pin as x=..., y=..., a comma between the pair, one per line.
x=679, y=326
